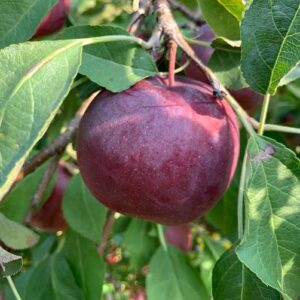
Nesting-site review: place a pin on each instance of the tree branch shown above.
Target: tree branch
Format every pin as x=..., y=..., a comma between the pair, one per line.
x=59, y=144
x=195, y=18
x=42, y=187
x=106, y=232
x=139, y=16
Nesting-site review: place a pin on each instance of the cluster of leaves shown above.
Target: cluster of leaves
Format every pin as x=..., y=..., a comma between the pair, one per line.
x=39, y=97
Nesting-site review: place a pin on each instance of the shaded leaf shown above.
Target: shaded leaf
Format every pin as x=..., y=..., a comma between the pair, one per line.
x=139, y=243
x=226, y=65
x=115, y=65
x=171, y=277
x=53, y=279
x=10, y=264
x=270, y=43
x=20, y=18
x=82, y=211
x=271, y=245
x=86, y=264
x=15, y=235
x=222, y=22
x=16, y=204
x=233, y=281
x=34, y=79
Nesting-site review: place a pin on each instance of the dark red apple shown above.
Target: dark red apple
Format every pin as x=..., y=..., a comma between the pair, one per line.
x=179, y=236
x=246, y=97
x=159, y=153
x=55, y=19
x=50, y=217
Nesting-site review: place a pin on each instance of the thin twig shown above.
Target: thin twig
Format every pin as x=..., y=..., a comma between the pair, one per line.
x=59, y=144
x=38, y=196
x=139, y=16
x=106, y=232
x=13, y=288
x=274, y=127
x=263, y=116
x=161, y=237
x=195, y=18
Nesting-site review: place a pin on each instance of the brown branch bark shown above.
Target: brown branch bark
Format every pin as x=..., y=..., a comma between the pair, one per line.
x=106, y=232
x=59, y=144
x=42, y=187
x=195, y=18
x=139, y=16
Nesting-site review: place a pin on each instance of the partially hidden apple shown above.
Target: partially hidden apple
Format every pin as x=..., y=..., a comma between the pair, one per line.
x=246, y=97
x=159, y=153
x=54, y=20
x=49, y=217
x=179, y=236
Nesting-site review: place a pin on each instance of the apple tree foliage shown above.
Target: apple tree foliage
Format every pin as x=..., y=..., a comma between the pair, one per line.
x=246, y=247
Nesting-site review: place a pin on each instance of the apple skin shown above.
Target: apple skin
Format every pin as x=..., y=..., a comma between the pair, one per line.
x=55, y=19
x=49, y=217
x=180, y=236
x=159, y=153
x=246, y=97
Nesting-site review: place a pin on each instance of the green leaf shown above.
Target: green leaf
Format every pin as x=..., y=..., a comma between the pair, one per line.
x=225, y=62
x=35, y=78
x=10, y=264
x=20, y=18
x=235, y=7
x=16, y=204
x=222, y=22
x=270, y=43
x=226, y=66
x=293, y=75
x=86, y=264
x=271, y=245
x=139, y=243
x=53, y=279
x=171, y=277
x=210, y=251
x=82, y=211
x=115, y=65
x=232, y=280
x=16, y=236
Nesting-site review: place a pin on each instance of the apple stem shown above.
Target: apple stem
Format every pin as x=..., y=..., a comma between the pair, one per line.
x=240, y=207
x=263, y=115
x=13, y=288
x=172, y=62
x=161, y=237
